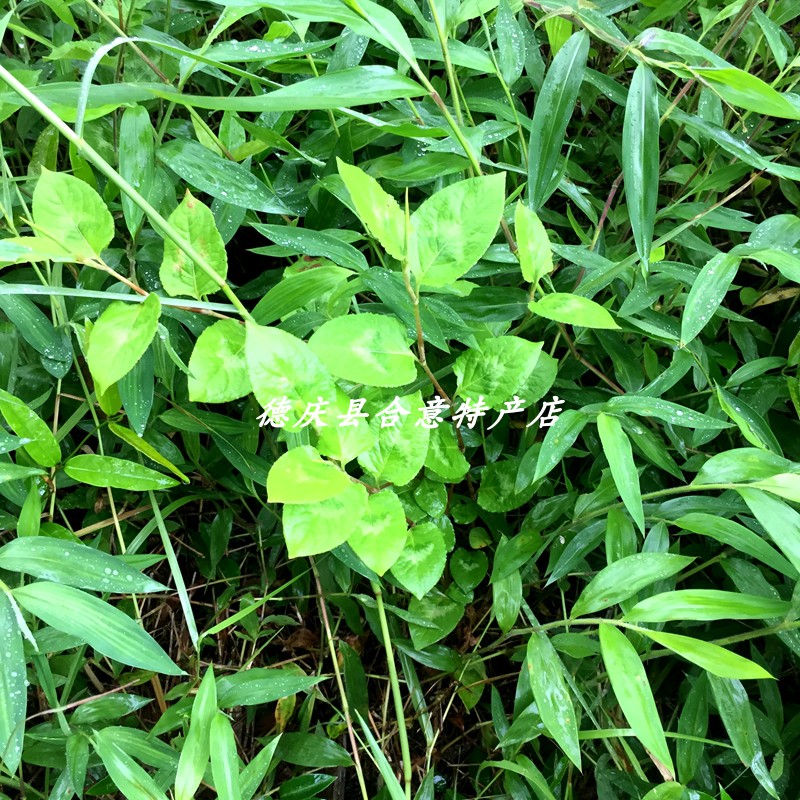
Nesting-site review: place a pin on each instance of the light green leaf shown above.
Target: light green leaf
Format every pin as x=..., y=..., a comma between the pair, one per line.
x=572, y=309
x=632, y=689
x=454, y=227
x=640, y=157
x=302, y=476
x=551, y=115
x=711, y=657
x=71, y=213
x=400, y=450
x=119, y=338
x=560, y=436
x=778, y=519
x=740, y=538
x=105, y=628
x=497, y=370
x=786, y=485
x=666, y=411
x=74, y=564
x=217, y=366
x=279, y=364
x=380, y=535
x=707, y=293
x=365, y=348
x=421, y=563
x=196, y=747
x=41, y=446
x=624, y=578
x=312, y=528
x=16, y=472
x=145, y=448
x=552, y=696
x=737, y=716
x=13, y=687
x=115, y=473
x=129, y=778
x=344, y=442
x=752, y=425
x=740, y=88
x=618, y=451
x=179, y=274
x=444, y=455
x=377, y=210
x=741, y=465
x=224, y=759
x=705, y=604
x=533, y=243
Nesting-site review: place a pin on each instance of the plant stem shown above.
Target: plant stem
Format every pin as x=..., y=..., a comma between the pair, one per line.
x=395, y=684
x=158, y=222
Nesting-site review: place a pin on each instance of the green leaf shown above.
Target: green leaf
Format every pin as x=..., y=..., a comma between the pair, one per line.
x=16, y=472
x=365, y=348
x=281, y=365
x=105, y=628
x=257, y=686
x=377, y=210
x=741, y=465
x=779, y=520
x=711, y=657
x=380, y=535
x=707, y=293
x=624, y=578
x=344, y=442
x=400, y=450
x=705, y=604
x=226, y=180
x=115, y=473
x=560, y=436
x=119, y=338
x=224, y=759
x=444, y=455
x=737, y=716
x=510, y=43
x=753, y=427
x=217, y=366
x=741, y=539
x=13, y=687
x=740, y=88
x=136, y=161
x=618, y=451
x=128, y=777
x=631, y=687
x=454, y=227
x=421, y=563
x=70, y=212
x=497, y=370
x=196, y=746
x=533, y=243
x=74, y=564
x=179, y=274
x=551, y=115
x=312, y=528
x=301, y=476
x=441, y=613
x=666, y=411
x=553, y=699
x=572, y=309
x=41, y=446
x=136, y=441
x=314, y=243
x=640, y=157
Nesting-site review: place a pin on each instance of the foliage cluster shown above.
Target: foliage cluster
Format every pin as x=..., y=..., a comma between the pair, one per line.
x=210, y=207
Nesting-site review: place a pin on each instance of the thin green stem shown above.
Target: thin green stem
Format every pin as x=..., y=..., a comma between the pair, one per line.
x=395, y=684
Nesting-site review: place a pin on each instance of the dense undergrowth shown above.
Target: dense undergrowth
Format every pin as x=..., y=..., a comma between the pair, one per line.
x=542, y=258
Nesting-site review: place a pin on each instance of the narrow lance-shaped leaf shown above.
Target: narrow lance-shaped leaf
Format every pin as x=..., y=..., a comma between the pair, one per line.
x=737, y=716
x=624, y=578
x=533, y=243
x=552, y=695
x=632, y=689
x=640, y=157
x=41, y=446
x=13, y=687
x=706, y=294
x=224, y=759
x=196, y=748
x=618, y=451
x=104, y=627
x=554, y=107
